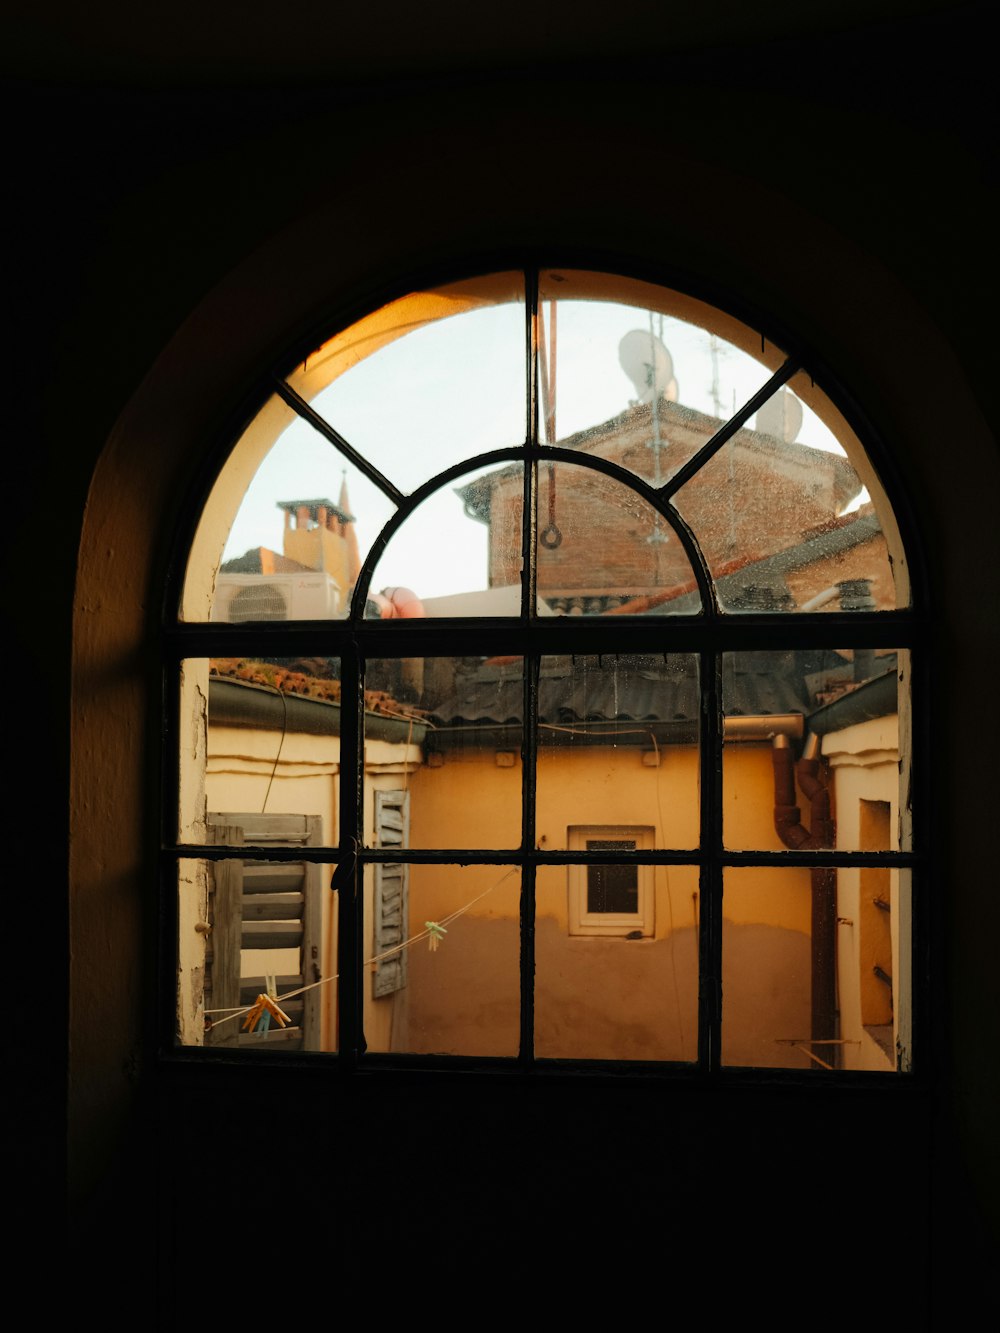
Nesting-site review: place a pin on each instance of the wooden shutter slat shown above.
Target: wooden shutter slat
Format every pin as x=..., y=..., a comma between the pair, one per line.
x=272, y=934
x=274, y=1037
x=390, y=905
x=273, y=906
x=273, y=878
x=252, y=986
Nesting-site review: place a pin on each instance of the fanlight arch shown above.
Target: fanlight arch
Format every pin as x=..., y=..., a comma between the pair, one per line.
x=299, y=402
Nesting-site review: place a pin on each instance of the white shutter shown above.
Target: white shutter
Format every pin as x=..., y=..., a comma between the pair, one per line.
x=392, y=882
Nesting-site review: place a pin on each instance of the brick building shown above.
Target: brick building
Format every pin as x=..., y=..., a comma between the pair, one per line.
x=769, y=514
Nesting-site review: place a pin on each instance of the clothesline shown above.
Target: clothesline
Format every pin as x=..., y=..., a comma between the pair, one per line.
x=431, y=931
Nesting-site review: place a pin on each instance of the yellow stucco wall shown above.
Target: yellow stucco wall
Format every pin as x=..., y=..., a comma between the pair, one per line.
x=595, y=996
x=599, y=997
x=864, y=761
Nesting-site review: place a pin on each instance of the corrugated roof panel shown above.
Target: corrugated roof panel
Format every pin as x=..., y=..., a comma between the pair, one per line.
x=624, y=688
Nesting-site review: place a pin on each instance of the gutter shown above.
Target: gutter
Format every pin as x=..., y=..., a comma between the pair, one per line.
x=617, y=732
x=237, y=703
x=876, y=698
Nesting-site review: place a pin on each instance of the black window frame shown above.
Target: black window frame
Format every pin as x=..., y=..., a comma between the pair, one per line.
x=707, y=635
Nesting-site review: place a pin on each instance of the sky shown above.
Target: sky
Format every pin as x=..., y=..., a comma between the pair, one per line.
x=456, y=388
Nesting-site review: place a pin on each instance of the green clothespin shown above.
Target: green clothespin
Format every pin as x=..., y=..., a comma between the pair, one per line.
x=436, y=934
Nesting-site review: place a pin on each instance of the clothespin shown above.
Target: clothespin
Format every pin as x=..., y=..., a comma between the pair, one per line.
x=264, y=1027
x=435, y=935
x=261, y=1004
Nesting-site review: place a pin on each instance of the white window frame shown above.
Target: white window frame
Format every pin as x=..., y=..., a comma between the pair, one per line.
x=611, y=924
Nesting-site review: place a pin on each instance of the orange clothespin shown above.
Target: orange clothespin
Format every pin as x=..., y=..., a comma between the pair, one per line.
x=264, y=1004
x=271, y=988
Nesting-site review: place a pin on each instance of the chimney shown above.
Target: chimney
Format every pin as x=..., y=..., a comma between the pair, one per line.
x=856, y=595
x=762, y=597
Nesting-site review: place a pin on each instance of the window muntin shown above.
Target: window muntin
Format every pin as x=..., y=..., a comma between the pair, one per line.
x=639, y=627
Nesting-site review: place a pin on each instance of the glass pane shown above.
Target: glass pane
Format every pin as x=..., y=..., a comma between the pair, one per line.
x=877, y=554
x=784, y=519
x=458, y=554
x=808, y=735
x=874, y=949
x=460, y=783
x=604, y=549
x=442, y=959
x=248, y=929
x=618, y=745
x=614, y=984
x=428, y=380
x=866, y=746
x=265, y=752
x=639, y=374
x=286, y=528
x=810, y=979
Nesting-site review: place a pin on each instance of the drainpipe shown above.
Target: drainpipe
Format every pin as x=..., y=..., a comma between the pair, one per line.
x=820, y=834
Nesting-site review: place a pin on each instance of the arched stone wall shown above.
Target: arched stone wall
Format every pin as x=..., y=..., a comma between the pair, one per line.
x=353, y=214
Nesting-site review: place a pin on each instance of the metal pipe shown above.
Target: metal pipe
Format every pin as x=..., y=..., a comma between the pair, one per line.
x=821, y=598
x=787, y=815
x=819, y=835
x=811, y=746
x=779, y=727
x=812, y=782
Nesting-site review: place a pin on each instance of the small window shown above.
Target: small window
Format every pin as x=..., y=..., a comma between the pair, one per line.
x=613, y=897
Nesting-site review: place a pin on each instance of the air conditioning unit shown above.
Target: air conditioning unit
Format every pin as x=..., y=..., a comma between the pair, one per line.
x=242, y=598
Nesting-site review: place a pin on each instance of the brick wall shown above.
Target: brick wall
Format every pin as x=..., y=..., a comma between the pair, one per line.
x=756, y=497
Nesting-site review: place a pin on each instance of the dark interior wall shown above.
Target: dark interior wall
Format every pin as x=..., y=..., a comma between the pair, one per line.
x=164, y=244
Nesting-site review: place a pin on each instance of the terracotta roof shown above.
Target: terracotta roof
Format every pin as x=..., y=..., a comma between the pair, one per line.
x=288, y=681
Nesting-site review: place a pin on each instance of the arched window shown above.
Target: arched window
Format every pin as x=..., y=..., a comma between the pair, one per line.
x=560, y=624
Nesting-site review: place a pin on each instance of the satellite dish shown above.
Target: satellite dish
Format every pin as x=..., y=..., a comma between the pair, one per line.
x=781, y=416
x=648, y=365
